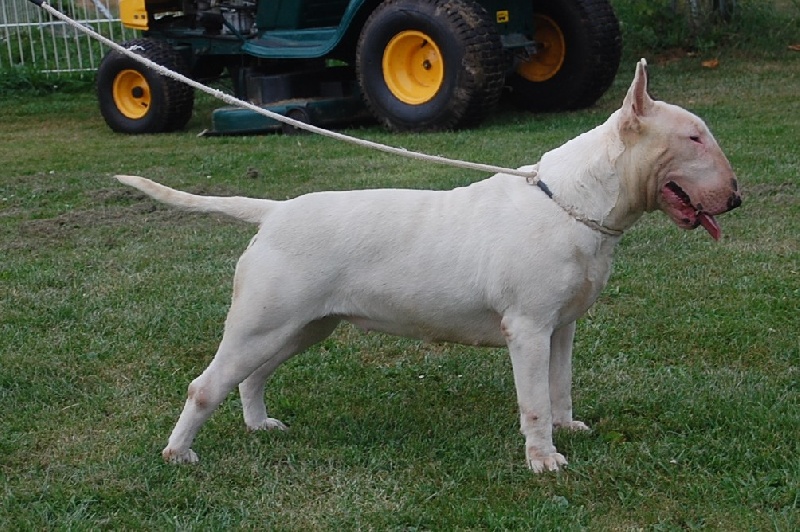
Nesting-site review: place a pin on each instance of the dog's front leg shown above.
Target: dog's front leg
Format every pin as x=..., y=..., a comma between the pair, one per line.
x=529, y=347
x=561, y=379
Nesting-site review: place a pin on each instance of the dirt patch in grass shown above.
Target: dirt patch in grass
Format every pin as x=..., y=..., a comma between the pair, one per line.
x=82, y=219
x=114, y=195
x=117, y=211
x=78, y=224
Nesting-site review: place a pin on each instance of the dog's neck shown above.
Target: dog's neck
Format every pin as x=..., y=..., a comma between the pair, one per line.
x=583, y=178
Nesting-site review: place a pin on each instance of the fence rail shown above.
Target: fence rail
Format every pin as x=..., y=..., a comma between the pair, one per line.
x=30, y=39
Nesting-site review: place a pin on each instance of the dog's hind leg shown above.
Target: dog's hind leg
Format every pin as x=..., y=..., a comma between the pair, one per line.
x=243, y=350
x=561, y=379
x=251, y=389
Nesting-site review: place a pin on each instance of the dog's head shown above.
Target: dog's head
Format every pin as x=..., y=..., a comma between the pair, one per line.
x=673, y=160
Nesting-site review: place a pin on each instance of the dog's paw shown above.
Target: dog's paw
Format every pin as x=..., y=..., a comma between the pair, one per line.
x=574, y=426
x=539, y=463
x=267, y=424
x=179, y=457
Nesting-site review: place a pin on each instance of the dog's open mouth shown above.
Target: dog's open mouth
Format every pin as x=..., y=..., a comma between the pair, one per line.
x=685, y=214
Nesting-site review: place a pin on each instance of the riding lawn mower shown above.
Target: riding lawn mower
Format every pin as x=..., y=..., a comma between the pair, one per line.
x=413, y=65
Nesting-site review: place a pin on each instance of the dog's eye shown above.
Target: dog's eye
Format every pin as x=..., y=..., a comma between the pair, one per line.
x=695, y=138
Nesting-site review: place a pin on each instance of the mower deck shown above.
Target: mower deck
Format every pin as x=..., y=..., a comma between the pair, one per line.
x=334, y=111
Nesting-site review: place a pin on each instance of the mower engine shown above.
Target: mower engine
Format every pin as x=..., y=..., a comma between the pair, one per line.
x=224, y=17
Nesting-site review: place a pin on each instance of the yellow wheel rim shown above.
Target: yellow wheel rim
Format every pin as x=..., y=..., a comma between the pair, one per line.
x=549, y=57
x=131, y=94
x=413, y=67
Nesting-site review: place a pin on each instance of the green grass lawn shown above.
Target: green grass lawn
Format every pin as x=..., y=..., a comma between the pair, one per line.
x=686, y=368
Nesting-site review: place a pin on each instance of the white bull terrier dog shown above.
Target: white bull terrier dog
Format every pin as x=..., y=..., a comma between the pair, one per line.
x=498, y=263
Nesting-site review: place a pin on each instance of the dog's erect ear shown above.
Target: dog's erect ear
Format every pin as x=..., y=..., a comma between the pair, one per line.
x=637, y=102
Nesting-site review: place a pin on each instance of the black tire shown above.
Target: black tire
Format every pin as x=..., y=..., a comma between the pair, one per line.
x=592, y=46
x=135, y=99
x=468, y=60
x=299, y=114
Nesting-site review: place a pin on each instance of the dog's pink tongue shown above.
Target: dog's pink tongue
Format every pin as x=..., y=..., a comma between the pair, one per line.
x=710, y=225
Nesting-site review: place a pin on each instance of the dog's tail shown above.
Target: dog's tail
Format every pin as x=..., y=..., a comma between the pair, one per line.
x=246, y=209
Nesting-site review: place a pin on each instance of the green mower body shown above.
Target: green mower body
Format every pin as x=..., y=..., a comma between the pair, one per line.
x=413, y=65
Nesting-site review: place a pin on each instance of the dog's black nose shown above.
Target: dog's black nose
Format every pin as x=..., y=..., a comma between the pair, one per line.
x=734, y=201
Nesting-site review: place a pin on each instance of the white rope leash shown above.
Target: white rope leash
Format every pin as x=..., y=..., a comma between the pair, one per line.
x=530, y=175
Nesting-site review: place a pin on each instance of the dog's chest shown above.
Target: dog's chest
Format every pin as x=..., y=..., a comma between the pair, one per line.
x=586, y=278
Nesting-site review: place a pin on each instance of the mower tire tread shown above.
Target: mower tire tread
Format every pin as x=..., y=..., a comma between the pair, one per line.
x=593, y=51
x=170, y=101
x=474, y=63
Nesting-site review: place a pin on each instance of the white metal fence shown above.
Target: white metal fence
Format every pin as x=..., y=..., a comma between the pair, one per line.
x=29, y=38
